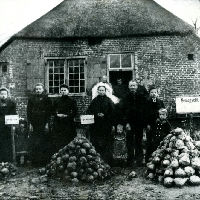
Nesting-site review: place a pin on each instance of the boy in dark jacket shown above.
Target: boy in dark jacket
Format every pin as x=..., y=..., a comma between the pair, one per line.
x=153, y=106
x=162, y=128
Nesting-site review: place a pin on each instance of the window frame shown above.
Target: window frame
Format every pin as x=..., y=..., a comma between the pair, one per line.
x=66, y=73
x=121, y=68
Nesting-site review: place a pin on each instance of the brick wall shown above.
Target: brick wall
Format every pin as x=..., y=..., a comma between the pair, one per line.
x=162, y=60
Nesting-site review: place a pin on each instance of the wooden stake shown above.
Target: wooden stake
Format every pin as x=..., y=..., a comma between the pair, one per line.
x=13, y=143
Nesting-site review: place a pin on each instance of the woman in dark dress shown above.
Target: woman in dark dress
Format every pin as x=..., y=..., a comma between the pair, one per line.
x=100, y=132
x=64, y=126
x=38, y=115
x=7, y=107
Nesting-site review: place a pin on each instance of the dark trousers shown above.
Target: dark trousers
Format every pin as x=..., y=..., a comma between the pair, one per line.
x=134, y=144
x=5, y=144
x=150, y=145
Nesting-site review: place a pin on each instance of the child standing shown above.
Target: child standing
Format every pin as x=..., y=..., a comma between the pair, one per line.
x=119, y=147
x=154, y=103
x=163, y=128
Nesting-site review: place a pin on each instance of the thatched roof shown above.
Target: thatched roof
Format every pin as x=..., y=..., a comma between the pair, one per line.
x=105, y=18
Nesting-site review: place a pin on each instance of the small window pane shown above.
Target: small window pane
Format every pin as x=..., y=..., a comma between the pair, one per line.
x=70, y=62
x=50, y=70
x=81, y=76
x=50, y=63
x=81, y=69
x=50, y=76
x=82, y=63
x=71, y=82
x=76, y=76
x=50, y=83
x=71, y=89
x=56, y=83
x=76, y=82
x=62, y=70
x=126, y=60
x=114, y=61
x=56, y=77
x=61, y=76
x=76, y=70
x=61, y=63
x=82, y=83
x=56, y=90
x=82, y=89
x=76, y=90
x=57, y=70
x=76, y=62
x=71, y=76
x=50, y=90
x=71, y=69
x=56, y=63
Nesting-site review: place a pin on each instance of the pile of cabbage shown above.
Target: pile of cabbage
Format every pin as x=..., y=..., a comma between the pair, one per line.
x=176, y=161
x=78, y=161
x=7, y=170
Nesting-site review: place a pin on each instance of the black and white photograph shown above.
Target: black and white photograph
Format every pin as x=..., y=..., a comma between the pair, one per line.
x=100, y=99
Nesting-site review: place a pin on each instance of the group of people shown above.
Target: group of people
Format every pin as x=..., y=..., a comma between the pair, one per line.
x=40, y=109
x=132, y=107
x=137, y=110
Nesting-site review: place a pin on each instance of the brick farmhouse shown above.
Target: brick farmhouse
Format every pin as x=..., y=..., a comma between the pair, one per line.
x=81, y=40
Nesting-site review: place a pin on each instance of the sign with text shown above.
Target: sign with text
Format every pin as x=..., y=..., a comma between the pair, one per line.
x=87, y=119
x=11, y=119
x=187, y=105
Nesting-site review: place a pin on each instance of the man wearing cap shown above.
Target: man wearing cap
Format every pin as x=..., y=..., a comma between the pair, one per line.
x=38, y=115
x=65, y=110
x=133, y=109
x=7, y=107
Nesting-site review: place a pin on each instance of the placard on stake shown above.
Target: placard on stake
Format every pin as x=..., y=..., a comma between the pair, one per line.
x=12, y=120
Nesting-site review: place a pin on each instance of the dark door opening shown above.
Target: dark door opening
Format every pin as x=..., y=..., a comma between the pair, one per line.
x=126, y=76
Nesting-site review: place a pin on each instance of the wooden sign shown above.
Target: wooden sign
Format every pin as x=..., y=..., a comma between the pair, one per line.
x=186, y=105
x=87, y=119
x=11, y=119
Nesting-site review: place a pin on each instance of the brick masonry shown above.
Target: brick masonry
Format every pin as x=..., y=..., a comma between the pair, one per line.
x=162, y=60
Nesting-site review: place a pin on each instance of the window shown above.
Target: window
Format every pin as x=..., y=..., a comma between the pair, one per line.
x=69, y=71
x=76, y=75
x=3, y=67
x=190, y=56
x=56, y=75
x=120, y=61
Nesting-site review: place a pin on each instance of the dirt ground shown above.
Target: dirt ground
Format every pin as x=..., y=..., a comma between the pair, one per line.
x=27, y=185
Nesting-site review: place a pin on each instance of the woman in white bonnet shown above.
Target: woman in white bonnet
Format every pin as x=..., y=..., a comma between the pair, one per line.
x=109, y=90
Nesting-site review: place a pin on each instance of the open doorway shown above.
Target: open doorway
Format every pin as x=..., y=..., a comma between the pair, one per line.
x=126, y=76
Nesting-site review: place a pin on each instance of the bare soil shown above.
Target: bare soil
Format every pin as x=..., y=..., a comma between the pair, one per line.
x=27, y=184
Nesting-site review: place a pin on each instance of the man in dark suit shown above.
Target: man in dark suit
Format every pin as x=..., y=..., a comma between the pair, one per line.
x=134, y=114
